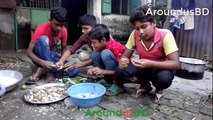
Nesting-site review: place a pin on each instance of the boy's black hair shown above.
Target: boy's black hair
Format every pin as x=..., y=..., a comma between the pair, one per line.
x=140, y=14
x=59, y=14
x=87, y=20
x=99, y=32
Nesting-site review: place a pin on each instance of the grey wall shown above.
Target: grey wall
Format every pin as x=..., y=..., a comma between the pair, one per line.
x=119, y=26
x=6, y=19
x=7, y=41
x=24, y=27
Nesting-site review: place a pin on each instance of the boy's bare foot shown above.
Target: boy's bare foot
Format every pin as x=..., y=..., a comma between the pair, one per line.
x=39, y=72
x=159, y=97
x=36, y=76
x=50, y=78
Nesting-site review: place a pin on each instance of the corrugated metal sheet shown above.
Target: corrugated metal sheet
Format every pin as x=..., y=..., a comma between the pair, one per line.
x=197, y=43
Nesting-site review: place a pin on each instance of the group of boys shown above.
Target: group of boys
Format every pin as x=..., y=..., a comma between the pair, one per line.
x=157, y=50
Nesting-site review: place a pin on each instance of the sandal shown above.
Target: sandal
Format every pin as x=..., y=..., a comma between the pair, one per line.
x=104, y=83
x=31, y=81
x=114, y=90
x=141, y=92
x=158, y=98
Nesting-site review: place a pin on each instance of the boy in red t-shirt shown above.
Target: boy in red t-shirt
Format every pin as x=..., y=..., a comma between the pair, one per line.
x=105, y=55
x=49, y=39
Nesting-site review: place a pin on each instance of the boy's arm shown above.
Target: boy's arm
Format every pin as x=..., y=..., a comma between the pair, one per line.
x=130, y=46
x=107, y=72
x=83, y=64
x=31, y=55
x=63, y=40
x=127, y=53
x=65, y=55
x=63, y=47
x=71, y=50
x=77, y=45
x=98, y=71
x=36, y=59
x=172, y=63
x=171, y=51
x=78, y=65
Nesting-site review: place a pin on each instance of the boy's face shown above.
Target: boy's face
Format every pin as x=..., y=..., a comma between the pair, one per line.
x=98, y=46
x=86, y=29
x=55, y=25
x=145, y=29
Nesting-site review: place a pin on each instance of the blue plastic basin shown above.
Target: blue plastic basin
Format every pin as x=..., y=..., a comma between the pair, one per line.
x=95, y=89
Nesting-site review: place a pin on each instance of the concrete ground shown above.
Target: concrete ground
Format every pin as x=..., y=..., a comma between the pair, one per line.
x=185, y=100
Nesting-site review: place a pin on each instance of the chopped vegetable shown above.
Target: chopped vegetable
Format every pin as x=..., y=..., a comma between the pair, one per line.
x=72, y=81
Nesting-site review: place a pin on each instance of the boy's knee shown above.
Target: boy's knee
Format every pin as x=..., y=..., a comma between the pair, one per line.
x=164, y=80
x=106, y=54
x=43, y=40
x=163, y=84
x=94, y=54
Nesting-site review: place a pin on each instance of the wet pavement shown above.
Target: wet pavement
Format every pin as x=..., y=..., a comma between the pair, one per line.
x=184, y=100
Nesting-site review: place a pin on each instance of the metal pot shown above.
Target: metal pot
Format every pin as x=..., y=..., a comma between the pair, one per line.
x=10, y=75
x=191, y=68
x=2, y=90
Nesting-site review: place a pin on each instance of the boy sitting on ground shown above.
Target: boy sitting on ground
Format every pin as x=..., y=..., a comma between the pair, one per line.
x=43, y=50
x=158, y=56
x=105, y=55
x=87, y=22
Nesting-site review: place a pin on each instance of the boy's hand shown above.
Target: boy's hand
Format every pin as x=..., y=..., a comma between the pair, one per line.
x=141, y=63
x=59, y=64
x=123, y=63
x=90, y=71
x=47, y=64
x=68, y=67
x=98, y=71
x=95, y=71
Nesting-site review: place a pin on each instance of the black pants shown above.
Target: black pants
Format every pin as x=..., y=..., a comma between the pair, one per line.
x=161, y=79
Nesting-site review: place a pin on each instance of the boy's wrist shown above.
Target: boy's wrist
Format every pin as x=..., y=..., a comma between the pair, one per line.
x=61, y=60
x=124, y=58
